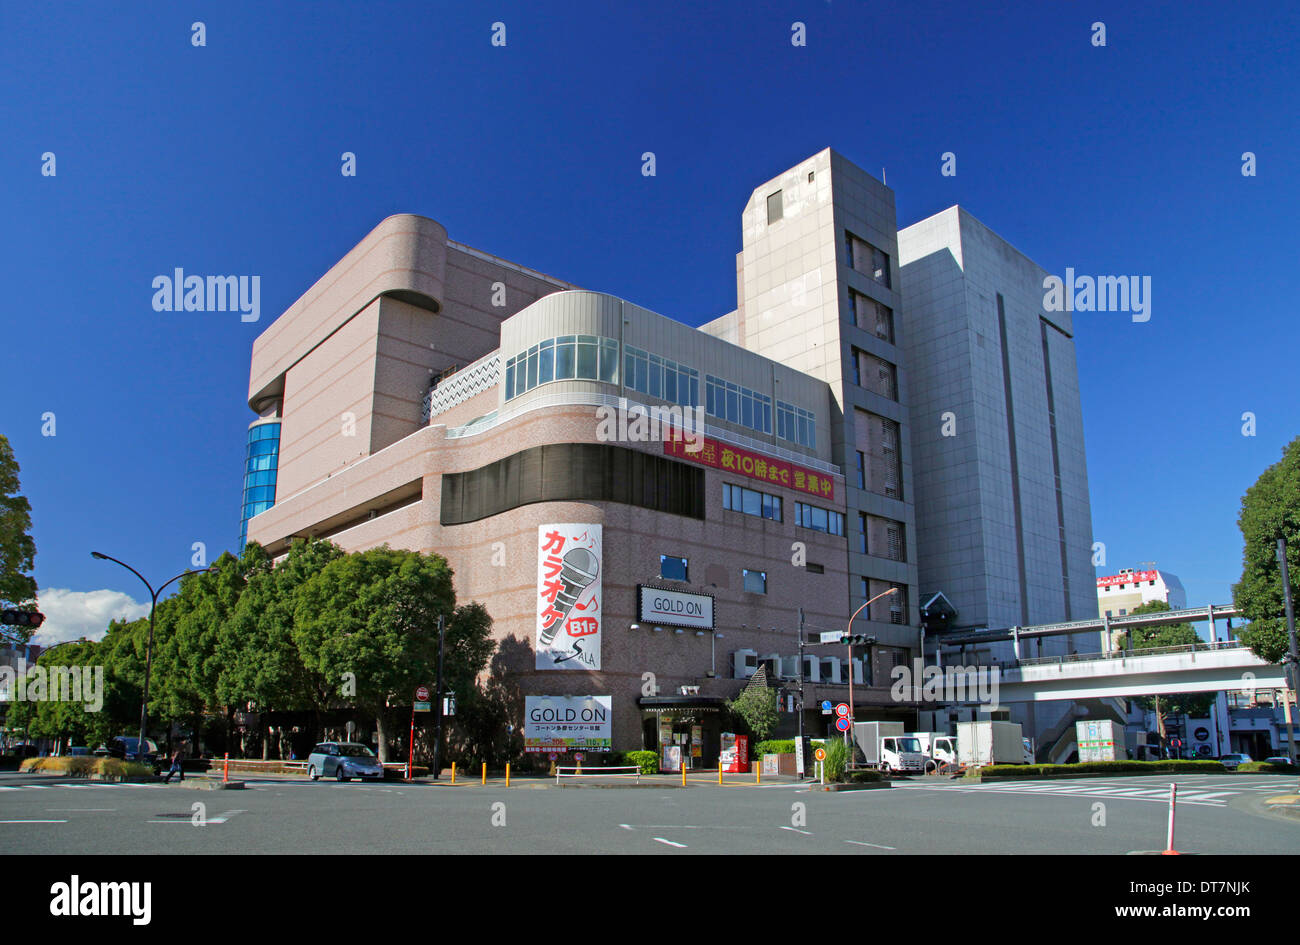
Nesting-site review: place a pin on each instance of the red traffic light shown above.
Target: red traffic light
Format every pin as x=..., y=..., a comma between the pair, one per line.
x=21, y=618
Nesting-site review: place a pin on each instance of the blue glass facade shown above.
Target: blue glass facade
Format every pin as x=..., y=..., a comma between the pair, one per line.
x=261, y=462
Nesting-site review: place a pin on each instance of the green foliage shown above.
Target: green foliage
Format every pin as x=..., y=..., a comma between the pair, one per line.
x=17, y=548
x=777, y=746
x=837, y=759
x=1263, y=767
x=83, y=767
x=647, y=760
x=864, y=777
x=1270, y=510
x=1178, y=634
x=756, y=707
x=1100, y=767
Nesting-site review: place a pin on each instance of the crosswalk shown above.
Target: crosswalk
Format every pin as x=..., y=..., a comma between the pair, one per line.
x=1199, y=790
x=93, y=786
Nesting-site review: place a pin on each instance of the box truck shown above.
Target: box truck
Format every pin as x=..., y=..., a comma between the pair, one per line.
x=938, y=748
x=990, y=743
x=885, y=746
x=1096, y=738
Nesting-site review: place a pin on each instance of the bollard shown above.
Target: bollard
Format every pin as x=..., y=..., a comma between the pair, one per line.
x=683, y=776
x=453, y=772
x=485, y=774
x=719, y=774
x=1169, y=844
x=507, y=774
x=758, y=774
x=225, y=771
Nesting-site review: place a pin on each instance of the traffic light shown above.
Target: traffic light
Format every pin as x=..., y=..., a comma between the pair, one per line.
x=858, y=639
x=21, y=618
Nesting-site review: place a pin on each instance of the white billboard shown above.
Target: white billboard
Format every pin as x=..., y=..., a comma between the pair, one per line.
x=568, y=596
x=674, y=608
x=567, y=723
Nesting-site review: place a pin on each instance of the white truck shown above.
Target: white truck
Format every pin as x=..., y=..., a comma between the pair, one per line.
x=885, y=746
x=939, y=748
x=1096, y=738
x=991, y=743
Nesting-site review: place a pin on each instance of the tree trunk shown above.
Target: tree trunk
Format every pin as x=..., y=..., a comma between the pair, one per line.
x=383, y=735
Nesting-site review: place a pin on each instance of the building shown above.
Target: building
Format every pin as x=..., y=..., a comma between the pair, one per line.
x=1003, y=521
x=1118, y=594
x=431, y=396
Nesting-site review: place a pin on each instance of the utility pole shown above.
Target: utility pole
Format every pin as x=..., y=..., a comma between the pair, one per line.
x=1293, y=657
x=800, y=754
x=437, y=708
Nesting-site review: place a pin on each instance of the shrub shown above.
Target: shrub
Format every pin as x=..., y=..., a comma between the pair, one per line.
x=1101, y=767
x=866, y=776
x=82, y=767
x=775, y=746
x=1263, y=767
x=837, y=760
x=647, y=760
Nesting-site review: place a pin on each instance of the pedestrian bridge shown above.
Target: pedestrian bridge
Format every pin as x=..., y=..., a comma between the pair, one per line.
x=1199, y=667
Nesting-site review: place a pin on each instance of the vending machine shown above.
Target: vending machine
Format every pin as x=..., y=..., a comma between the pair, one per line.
x=735, y=753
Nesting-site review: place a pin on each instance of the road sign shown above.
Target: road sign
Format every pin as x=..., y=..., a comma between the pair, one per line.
x=422, y=694
x=830, y=636
x=842, y=724
x=424, y=707
x=552, y=755
x=842, y=710
x=820, y=754
x=826, y=707
x=577, y=756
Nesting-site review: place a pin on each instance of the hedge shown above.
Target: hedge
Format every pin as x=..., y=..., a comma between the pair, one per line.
x=80, y=766
x=776, y=746
x=860, y=777
x=1100, y=767
x=1263, y=767
x=647, y=760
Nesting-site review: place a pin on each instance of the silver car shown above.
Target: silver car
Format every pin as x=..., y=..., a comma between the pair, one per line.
x=343, y=760
x=1231, y=762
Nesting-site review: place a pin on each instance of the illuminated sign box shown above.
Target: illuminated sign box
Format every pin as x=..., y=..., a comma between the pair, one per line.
x=674, y=608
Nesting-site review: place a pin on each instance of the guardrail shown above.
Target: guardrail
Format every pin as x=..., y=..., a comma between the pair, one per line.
x=1126, y=654
x=577, y=771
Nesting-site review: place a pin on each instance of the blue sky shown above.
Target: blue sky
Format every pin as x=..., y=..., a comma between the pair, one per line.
x=225, y=159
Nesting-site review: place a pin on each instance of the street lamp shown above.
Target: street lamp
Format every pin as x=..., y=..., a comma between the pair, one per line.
x=848, y=638
x=148, y=653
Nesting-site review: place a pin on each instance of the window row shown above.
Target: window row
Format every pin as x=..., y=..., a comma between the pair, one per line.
x=881, y=537
x=660, y=377
x=569, y=357
x=796, y=424
x=751, y=502
x=818, y=519
x=872, y=316
x=891, y=609
x=875, y=374
x=736, y=404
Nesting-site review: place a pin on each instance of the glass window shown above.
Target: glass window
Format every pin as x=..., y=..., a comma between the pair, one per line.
x=753, y=502
x=672, y=569
x=565, y=357
x=755, y=581
x=774, y=207
x=587, y=359
x=510, y=378
x=609, y=361
x=546, y=362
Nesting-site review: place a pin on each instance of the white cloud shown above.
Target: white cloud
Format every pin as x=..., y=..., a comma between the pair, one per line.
x=72, y=614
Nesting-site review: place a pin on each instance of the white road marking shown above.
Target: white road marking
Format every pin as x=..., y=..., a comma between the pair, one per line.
x=81, y=810
x=863, y=843
x=222, y=818
x=670, y=842
x=33, y=821
x=806, y=833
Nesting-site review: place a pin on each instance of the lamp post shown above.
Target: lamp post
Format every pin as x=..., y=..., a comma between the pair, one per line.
x=848, y=633
x=148, y=653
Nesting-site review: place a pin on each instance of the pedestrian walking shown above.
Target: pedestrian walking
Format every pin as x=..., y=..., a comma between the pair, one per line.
x=178, y=759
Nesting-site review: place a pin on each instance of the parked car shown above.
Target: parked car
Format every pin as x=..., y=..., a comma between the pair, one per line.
x=127, y=747
x=343, y=760
x=78, y=751
x=1278, y=760
x=1232, y=761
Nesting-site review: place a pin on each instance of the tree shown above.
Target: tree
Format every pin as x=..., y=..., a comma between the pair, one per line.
x=756, y=706
x=17, y=548
x=372, y=618
x=1270, y=510
x=1148, y=638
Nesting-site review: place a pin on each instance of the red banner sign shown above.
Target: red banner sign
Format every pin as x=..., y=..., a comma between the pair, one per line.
x=755, y=466
x=1133, y=578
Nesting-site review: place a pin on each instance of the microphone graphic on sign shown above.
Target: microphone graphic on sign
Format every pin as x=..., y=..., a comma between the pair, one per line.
x=579, y=569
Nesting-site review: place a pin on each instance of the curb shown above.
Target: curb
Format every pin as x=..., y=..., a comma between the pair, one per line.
x=202, y=784
x=870, y=786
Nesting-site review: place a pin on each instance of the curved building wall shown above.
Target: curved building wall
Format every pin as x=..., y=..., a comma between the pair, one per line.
x=261, y=462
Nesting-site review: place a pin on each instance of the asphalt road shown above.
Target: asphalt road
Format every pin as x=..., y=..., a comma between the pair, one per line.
x=1216, y=814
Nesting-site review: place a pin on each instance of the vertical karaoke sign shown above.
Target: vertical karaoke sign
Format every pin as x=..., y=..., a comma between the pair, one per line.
x=568, y=596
